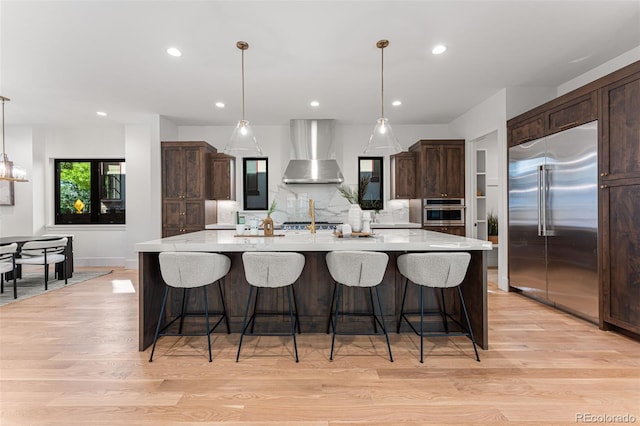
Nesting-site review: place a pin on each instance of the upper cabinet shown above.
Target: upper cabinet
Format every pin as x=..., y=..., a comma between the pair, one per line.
x=403, y=175
x=562, y=113
x=184, y=186
x=440, y=168
x=222, y=177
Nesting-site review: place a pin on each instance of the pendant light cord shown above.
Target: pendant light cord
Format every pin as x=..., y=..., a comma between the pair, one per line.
x=4, y=155
x=243, y=85
x=382, y=81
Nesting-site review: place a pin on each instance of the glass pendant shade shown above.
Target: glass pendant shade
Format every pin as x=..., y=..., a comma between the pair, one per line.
x=243, y=143
x=9, y=171
x=382, y=141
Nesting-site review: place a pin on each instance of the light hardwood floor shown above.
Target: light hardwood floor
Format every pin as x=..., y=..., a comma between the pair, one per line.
x=69, y=357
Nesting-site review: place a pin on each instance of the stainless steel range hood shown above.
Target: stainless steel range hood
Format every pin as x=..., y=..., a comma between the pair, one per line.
x=312, y=153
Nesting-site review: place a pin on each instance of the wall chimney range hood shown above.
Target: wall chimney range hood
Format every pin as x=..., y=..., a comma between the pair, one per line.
x=312, y=153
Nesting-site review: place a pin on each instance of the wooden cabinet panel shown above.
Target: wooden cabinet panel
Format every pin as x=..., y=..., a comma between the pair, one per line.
x=619, y=164
x=620, y=129
x=222, y=177
x=574, y=113
x=527, y=130
x=403, y=175
x=440, y=168
x=621, y=262
x=184, y=186
x=453, y=170
x=453, y=230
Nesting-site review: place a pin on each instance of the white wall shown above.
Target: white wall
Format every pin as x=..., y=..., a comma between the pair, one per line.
x=18, y=219
x=488, y=117
x=93, y=245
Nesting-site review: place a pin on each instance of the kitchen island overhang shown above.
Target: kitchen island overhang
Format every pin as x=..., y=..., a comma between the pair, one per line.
x=314, y=287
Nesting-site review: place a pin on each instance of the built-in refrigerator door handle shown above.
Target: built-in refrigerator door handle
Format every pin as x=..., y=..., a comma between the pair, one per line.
x=544, y=192
x=540, y=201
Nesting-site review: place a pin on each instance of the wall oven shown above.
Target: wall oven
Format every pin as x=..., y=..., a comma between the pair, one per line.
x=443, y=212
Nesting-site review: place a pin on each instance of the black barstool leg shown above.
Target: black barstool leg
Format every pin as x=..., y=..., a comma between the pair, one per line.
x=46, y=275
x=206, y=319
x=444, y=311
x=64, y=270
x=373, y=309
x=184, y=301
x=384, y=327
x=466, y=316
x=244, y=321
x=404, y=296
x=255, y=309
x=224, y=307
x=295, y=306
x=333, y=299
x=155, y=339
x=335, y=324
x=1, y=283
x=293, y=322
x=421, y=323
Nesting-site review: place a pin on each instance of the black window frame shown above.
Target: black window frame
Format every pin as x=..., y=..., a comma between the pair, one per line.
x=377, y=204
x=96, y=216
x=250, y=188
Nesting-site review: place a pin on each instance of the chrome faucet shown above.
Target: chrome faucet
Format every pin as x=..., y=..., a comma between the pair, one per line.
x=312, y=215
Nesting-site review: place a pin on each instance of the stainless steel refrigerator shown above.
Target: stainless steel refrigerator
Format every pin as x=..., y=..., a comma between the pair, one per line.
x=553, y=219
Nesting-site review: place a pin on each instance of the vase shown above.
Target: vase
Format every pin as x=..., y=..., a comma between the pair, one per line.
x=267, y=224
x=354, y=217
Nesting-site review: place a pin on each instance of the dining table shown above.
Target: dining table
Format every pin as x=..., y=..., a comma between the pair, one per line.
x=20, y=240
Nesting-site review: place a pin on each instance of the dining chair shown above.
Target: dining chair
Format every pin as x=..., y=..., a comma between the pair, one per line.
x=8, y=264
x=44, y=253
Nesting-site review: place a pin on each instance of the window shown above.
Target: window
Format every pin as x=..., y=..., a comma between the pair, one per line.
x=90, y=191
x=370, y=182
x=255, y=183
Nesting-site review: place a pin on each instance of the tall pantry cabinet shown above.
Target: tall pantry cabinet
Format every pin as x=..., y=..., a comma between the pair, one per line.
x=185, y=186
x=620, y=202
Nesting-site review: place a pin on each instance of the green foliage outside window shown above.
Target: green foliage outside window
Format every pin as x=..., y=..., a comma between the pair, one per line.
x=75, y=183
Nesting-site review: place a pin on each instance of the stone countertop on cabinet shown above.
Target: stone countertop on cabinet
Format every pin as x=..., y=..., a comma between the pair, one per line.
x=301, y=241
x=396, y=225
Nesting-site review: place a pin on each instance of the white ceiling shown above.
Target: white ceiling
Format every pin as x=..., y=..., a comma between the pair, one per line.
x=63, y=61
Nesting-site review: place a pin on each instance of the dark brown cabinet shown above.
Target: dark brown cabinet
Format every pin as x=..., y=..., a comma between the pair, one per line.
x=573, y=113
x=526, y=130
x=620, y=204
x=222, y=177
x=440, y=168
x=403, y=175
x=184, y=186
x=453, y=230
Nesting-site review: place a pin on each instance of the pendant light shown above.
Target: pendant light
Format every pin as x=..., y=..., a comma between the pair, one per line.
x=243, y=143
x=9, y=171
x=382, y=141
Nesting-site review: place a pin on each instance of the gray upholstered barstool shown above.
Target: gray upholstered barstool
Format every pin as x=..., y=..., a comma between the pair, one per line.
x=435, y=270
x=45, y=253
x=271, y=270
x=356, y=269
x=8, y=264
x=187, y=270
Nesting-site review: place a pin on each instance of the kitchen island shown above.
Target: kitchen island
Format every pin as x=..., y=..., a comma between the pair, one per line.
x=315, y=286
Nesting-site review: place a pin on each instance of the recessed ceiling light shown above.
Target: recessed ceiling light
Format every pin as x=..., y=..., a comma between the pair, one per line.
x=396, y=103
x=101, y=113
x=220, y=104
x=314, y=103
x=441, y=48
x=174, y=52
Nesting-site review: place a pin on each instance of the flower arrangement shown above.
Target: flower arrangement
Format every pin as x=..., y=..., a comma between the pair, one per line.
x=492, y=224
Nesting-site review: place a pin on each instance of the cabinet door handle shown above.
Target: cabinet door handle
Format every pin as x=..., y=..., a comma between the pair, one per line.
x=604, y=186
x=604, y=174
x=564, y=126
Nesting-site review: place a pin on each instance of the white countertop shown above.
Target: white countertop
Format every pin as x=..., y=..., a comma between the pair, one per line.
x=382, y=240
x=403, y=225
